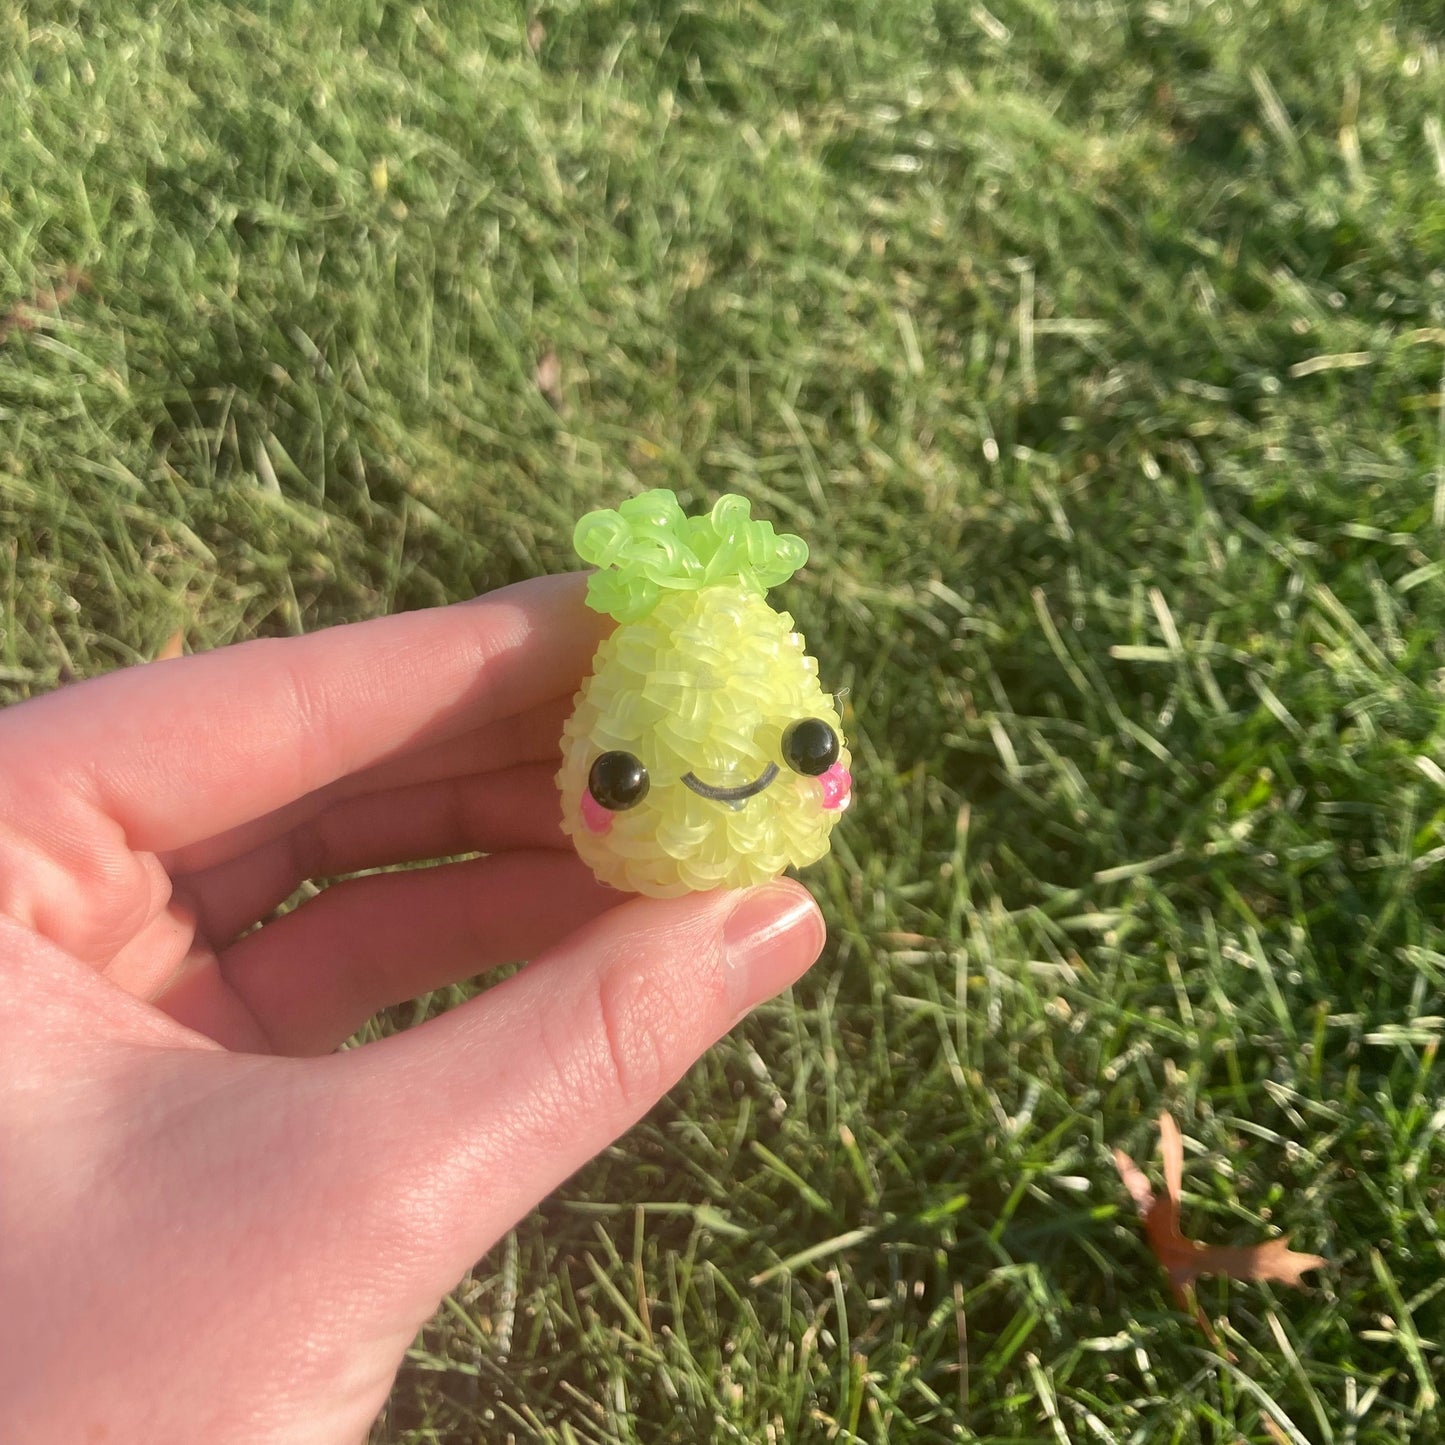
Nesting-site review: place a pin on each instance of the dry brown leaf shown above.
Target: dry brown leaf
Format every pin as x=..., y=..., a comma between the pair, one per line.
x=1184, y=1260
x=173, y=646
x=549, y=378
x=1273, y=1430
x=25, y=315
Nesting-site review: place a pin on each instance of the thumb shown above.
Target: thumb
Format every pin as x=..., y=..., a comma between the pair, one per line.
x=475, y=1116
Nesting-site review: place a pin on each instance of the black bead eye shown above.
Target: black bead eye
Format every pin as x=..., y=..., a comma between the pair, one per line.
x=618, y=781
x=810, y=747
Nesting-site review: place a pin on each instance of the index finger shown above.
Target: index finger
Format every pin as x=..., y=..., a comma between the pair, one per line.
x=177, y=751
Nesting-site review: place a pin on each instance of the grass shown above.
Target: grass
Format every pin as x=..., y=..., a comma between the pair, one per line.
x=1099, y=350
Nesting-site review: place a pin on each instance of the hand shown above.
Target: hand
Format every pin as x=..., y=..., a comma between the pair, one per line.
x=212, y=1227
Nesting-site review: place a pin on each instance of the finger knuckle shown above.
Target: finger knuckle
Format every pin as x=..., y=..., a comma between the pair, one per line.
x=643, y=1035
x=72, y=879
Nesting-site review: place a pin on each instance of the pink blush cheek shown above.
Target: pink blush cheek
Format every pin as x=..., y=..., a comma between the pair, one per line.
x=596, y=818
x=837, y=786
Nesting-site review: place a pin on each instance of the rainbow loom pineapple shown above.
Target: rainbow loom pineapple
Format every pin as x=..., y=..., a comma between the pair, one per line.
x=702, y=752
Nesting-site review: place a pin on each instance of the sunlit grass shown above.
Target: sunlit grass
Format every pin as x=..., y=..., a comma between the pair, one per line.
x=1099, y=352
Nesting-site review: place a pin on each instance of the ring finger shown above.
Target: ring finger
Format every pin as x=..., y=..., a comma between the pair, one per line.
x=481, y=813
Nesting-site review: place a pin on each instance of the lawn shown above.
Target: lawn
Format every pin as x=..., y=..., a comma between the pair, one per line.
x=1098, y=348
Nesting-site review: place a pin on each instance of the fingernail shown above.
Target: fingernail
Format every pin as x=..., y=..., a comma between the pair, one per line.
x=769, y=939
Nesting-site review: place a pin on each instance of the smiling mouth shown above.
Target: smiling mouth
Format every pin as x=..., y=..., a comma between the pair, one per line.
x=732, y=795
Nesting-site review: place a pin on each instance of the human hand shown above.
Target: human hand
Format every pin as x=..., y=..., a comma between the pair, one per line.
x=211, y=1226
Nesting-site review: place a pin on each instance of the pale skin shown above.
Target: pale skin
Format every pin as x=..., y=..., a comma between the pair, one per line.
x=213, y=1226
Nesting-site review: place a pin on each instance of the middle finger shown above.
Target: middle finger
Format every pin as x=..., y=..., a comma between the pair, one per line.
x=532, y=736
